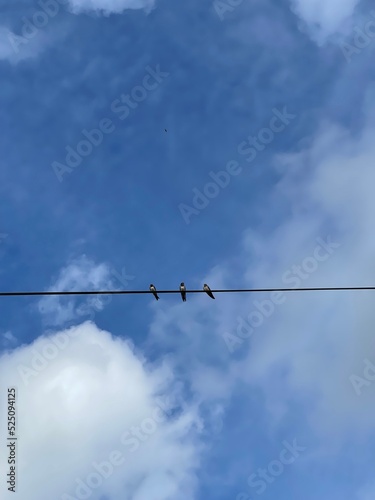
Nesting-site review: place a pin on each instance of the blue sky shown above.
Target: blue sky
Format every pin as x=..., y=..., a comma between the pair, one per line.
x=273, y=98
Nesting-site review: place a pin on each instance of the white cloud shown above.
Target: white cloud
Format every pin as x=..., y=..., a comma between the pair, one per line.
x=79, y=274
x=75, y=409
x=318, y=340
x=32, y=40
x=324, y=17
x=309, y=348
x=109, y=6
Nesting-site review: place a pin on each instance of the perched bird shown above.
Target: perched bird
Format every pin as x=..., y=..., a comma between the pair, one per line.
x=207, y=289
x=153, y=290
x=183, y=291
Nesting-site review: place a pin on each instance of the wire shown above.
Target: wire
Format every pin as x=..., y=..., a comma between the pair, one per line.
x=134, y=292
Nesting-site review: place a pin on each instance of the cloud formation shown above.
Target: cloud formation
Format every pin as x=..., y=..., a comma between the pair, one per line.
x=108, y=7
x=94, y=415
x=319, y=341
x=324, y=17
x=79, y=274
x=310, y=346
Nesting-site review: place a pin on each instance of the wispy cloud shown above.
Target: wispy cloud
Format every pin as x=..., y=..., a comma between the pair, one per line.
x=81, y=274
x=325, y=187
x=107, y=7
x=323, y=18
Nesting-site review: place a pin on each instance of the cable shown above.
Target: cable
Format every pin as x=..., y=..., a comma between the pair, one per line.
x=134, y=292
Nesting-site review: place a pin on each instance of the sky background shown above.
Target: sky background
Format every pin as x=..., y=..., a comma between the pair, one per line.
x=220, y=389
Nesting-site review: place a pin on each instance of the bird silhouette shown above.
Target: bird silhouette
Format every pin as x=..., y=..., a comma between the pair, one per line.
x=183, y=291
x=153, y=290
x=207, y=289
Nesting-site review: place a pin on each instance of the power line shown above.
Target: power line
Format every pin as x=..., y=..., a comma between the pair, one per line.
x=134, y=292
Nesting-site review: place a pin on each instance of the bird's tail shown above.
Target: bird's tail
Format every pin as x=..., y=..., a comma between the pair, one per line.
x=157, y=298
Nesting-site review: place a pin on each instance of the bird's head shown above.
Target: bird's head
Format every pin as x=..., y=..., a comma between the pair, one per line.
x=151, y=286
x=182, y=284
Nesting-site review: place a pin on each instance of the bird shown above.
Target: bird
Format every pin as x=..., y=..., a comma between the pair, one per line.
x=153, y=290
x=207, y=289
x=183, y=291
x=165, y=129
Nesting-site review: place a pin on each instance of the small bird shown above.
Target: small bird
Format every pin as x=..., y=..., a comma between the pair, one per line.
x=183, y=291
x=207, y=289
x=153, y=290
x=165, y=129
